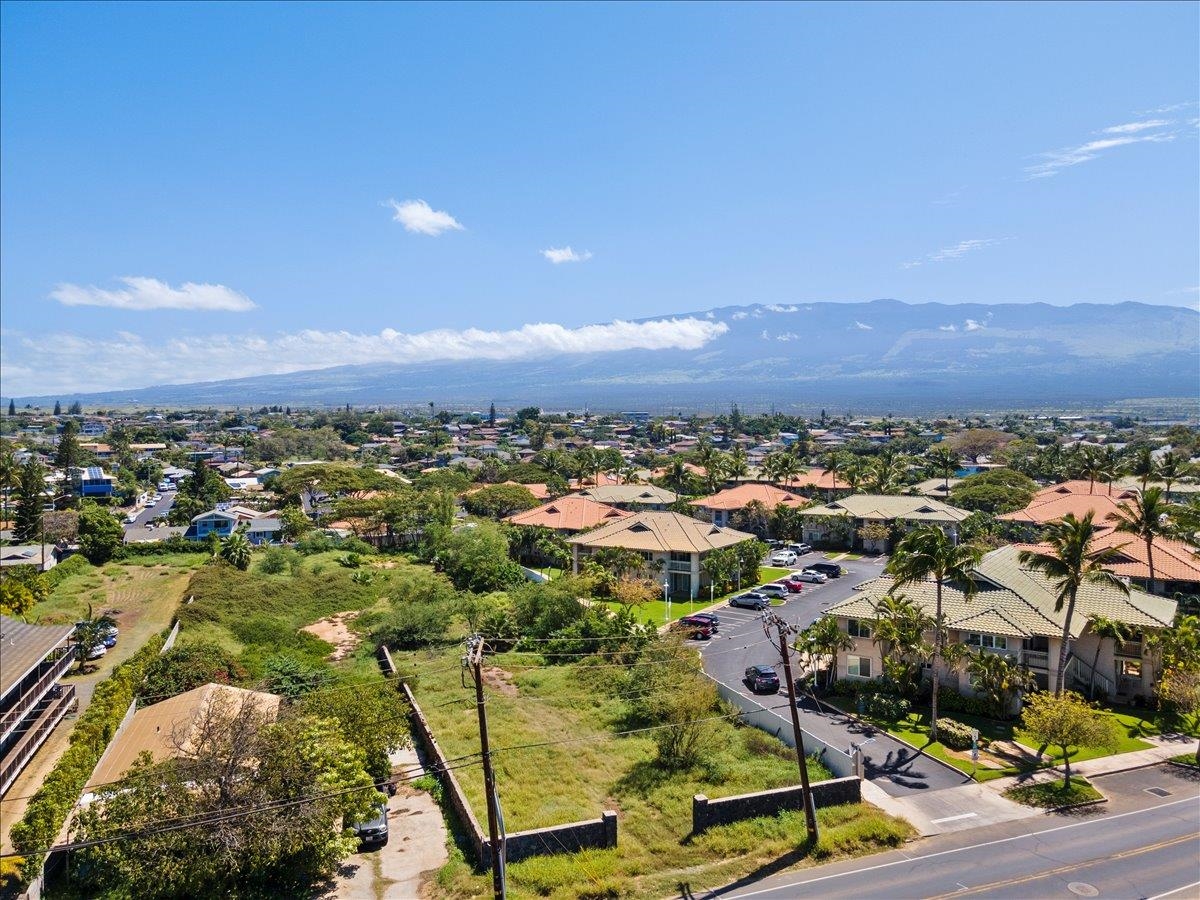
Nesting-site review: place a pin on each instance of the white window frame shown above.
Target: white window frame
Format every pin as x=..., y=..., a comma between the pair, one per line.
x=856, y=662
x=986, y=641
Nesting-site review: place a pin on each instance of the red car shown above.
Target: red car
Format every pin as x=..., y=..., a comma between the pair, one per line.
x=792, y=583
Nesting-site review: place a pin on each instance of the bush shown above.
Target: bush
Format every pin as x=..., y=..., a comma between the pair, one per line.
x=954, y=734
x=950, y=700
x=277, y=560
x=315, y=542
x=885, y=706
x=190, y=666
x=48, y=809
x=76, y=564
x=411, y=625
x=174, y=544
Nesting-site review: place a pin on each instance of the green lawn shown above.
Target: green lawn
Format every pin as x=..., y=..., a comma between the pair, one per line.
x=914, y=728
x=655, y=612
x=1053, y=794
x=598, y=770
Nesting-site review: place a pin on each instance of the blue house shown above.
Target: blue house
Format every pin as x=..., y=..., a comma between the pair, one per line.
x=92, y=482
x=267, y=530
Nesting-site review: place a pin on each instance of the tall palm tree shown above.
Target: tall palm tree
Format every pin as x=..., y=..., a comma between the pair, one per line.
x=1143, y=466
x=677, y=474
x=1145, y=518
x=1071, y=563
x=1104, y=629
x=1090, y=465
x=714, y=472
x=833, y=463
x=738, y=467
x=587, y=464
x=770, y=466
x=855, y=471
x=942, y=462
x=554, y=462
x=928, y=552
x=787, y=468
x=10, y=478
x=1111, y=466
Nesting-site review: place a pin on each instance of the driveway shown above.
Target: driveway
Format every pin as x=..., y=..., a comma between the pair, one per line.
x=888, y=763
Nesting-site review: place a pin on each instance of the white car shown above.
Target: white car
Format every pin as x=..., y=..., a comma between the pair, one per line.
x=773, y=590
x=811, y=577
x=783, y=558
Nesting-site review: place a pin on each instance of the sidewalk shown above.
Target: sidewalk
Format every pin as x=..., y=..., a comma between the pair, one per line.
x=1165, y=747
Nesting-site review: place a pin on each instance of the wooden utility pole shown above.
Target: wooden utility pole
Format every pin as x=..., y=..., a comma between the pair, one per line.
x=810, y=811
x=489, y=779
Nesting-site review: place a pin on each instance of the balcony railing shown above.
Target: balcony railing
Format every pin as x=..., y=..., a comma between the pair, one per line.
x=20, y=754
x=677, y=566
x=1129, y=648
x=1036, y=659
x=51, y=672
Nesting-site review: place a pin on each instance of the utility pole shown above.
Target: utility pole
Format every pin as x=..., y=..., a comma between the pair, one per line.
x=475, y=658
x=810, y=811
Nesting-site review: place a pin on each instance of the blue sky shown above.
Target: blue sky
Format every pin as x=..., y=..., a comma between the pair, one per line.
x=261, y=165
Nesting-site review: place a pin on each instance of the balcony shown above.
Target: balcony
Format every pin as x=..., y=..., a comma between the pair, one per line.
x=1035, y=659
x=1128, y=648
x=677, y=566
x=16, y=758
x=48, y=675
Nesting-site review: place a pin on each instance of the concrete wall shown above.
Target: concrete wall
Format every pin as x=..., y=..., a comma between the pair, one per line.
x=706, y=813
x=754, y=713
x=574, y=836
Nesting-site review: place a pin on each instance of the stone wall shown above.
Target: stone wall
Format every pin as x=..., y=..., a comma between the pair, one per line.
x=569, y=838
x=707, y=813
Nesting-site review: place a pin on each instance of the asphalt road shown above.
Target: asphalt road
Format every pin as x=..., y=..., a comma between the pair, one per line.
x=741, y=643
x=137, y=530
x=1138, y=845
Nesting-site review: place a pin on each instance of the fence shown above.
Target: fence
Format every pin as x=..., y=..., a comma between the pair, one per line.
x=569, y=838
x=754, y=713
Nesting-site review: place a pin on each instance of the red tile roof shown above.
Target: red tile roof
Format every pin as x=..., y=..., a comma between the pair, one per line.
x=572, y=513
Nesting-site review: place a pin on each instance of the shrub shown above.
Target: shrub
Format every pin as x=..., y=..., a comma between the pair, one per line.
x=56, y=797
x=277, y=560
x=174, y=544
x=315, y=542
x=190, y=666
x=950, y=700
x=410, y=625
x=75, y=564
x=885, y=706
x=954, y=734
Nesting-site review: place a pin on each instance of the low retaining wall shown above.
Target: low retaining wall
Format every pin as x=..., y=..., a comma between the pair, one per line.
x=574, y=836
x=754, y=713
x=707, y=813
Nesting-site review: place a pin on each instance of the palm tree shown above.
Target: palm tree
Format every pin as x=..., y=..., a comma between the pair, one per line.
x=823, y=638
x=899, y=627
x=1104, y=629
x=714, y=472
x=235, y=550
x=833, y=465
x=787, y=467
x=997, y=676
x=928, y=552
x=587, y=463
x=1143, y=466
x=677, y=475
x=885, y=472
x=10, y=478
x=855, y=472
x=942, y=462
x=1090, y=465
x=738, y=467
x=770, y=466
x=1110, y=471
x=1171, y=468
x=1070, y=564
x=554, y=462
x=1145, y=518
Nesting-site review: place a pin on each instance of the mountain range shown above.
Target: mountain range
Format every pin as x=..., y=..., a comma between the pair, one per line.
x=878, y=356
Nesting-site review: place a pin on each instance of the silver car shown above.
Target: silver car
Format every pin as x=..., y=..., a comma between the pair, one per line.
x=811, y=577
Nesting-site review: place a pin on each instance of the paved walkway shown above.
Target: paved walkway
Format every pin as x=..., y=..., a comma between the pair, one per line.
x=1165, y=747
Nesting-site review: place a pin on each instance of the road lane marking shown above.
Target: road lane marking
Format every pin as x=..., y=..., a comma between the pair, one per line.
x=1176, y=891
x=953, y=818
x=1073, y=867
x=1007, y=840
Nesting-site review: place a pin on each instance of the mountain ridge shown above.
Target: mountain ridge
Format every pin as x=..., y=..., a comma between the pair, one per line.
x=882, y=353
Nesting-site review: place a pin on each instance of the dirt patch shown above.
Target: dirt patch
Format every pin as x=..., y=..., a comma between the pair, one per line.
x=499, y=680
x=336, y=630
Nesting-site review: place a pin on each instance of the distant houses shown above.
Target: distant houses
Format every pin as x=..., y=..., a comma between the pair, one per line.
x=871, y=522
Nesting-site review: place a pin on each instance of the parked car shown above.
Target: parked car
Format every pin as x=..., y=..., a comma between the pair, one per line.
x=762, y=680
x=375, y=829
x=800, y=549
x=130, y=518
x=830, y=570
x=773, y=590
x=793, y=584
x=695, y=627
x=95, y=653
x=712, y=618
x=783, y=558
x=750, y=600
x=812, y=577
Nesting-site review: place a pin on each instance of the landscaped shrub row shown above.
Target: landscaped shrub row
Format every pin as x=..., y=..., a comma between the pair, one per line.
x=53, y=801
x=174, y=544
x=72, y=565
x=954, y=734
x=951, y=700
x=885, y=706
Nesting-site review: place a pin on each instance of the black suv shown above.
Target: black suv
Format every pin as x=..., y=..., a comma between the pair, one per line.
x=762, y=680
x=829, y=570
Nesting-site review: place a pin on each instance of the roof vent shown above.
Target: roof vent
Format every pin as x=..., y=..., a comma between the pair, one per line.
x=638, y=526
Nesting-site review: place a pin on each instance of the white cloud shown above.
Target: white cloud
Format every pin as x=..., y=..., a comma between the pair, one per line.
x=1134, y=127
x=150, y=293
x=558, y=255
x=972, y=325
x=788, y=336
x=950, y=327
x=863, y=326
x=957, y=251
x=776, y=308
x=737, y=316
x=766, y=335
x=417, y=216
x=68, y=363
x=1055, y=161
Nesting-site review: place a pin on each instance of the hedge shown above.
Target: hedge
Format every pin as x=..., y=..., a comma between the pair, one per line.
x=76, y=564
x=174, y=544
x=954, y=734
x=53, y=801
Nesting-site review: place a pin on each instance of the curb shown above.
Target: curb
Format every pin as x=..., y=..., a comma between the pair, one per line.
x=1079, y=805
x=1183, y=765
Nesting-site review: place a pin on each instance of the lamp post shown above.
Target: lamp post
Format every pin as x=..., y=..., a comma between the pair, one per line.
x=667, y=598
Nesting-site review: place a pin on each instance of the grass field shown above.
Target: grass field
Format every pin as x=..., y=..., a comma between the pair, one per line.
x=659, y=613
x=594, y=770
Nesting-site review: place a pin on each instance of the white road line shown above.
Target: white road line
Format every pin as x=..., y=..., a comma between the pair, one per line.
x=953, y=818
x=1176, y=891
x=1007, y=840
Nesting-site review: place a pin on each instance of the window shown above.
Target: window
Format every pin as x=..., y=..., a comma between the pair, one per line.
x=987, y=641
x=858, y=628
x=1129, y=669
x=858, y=666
